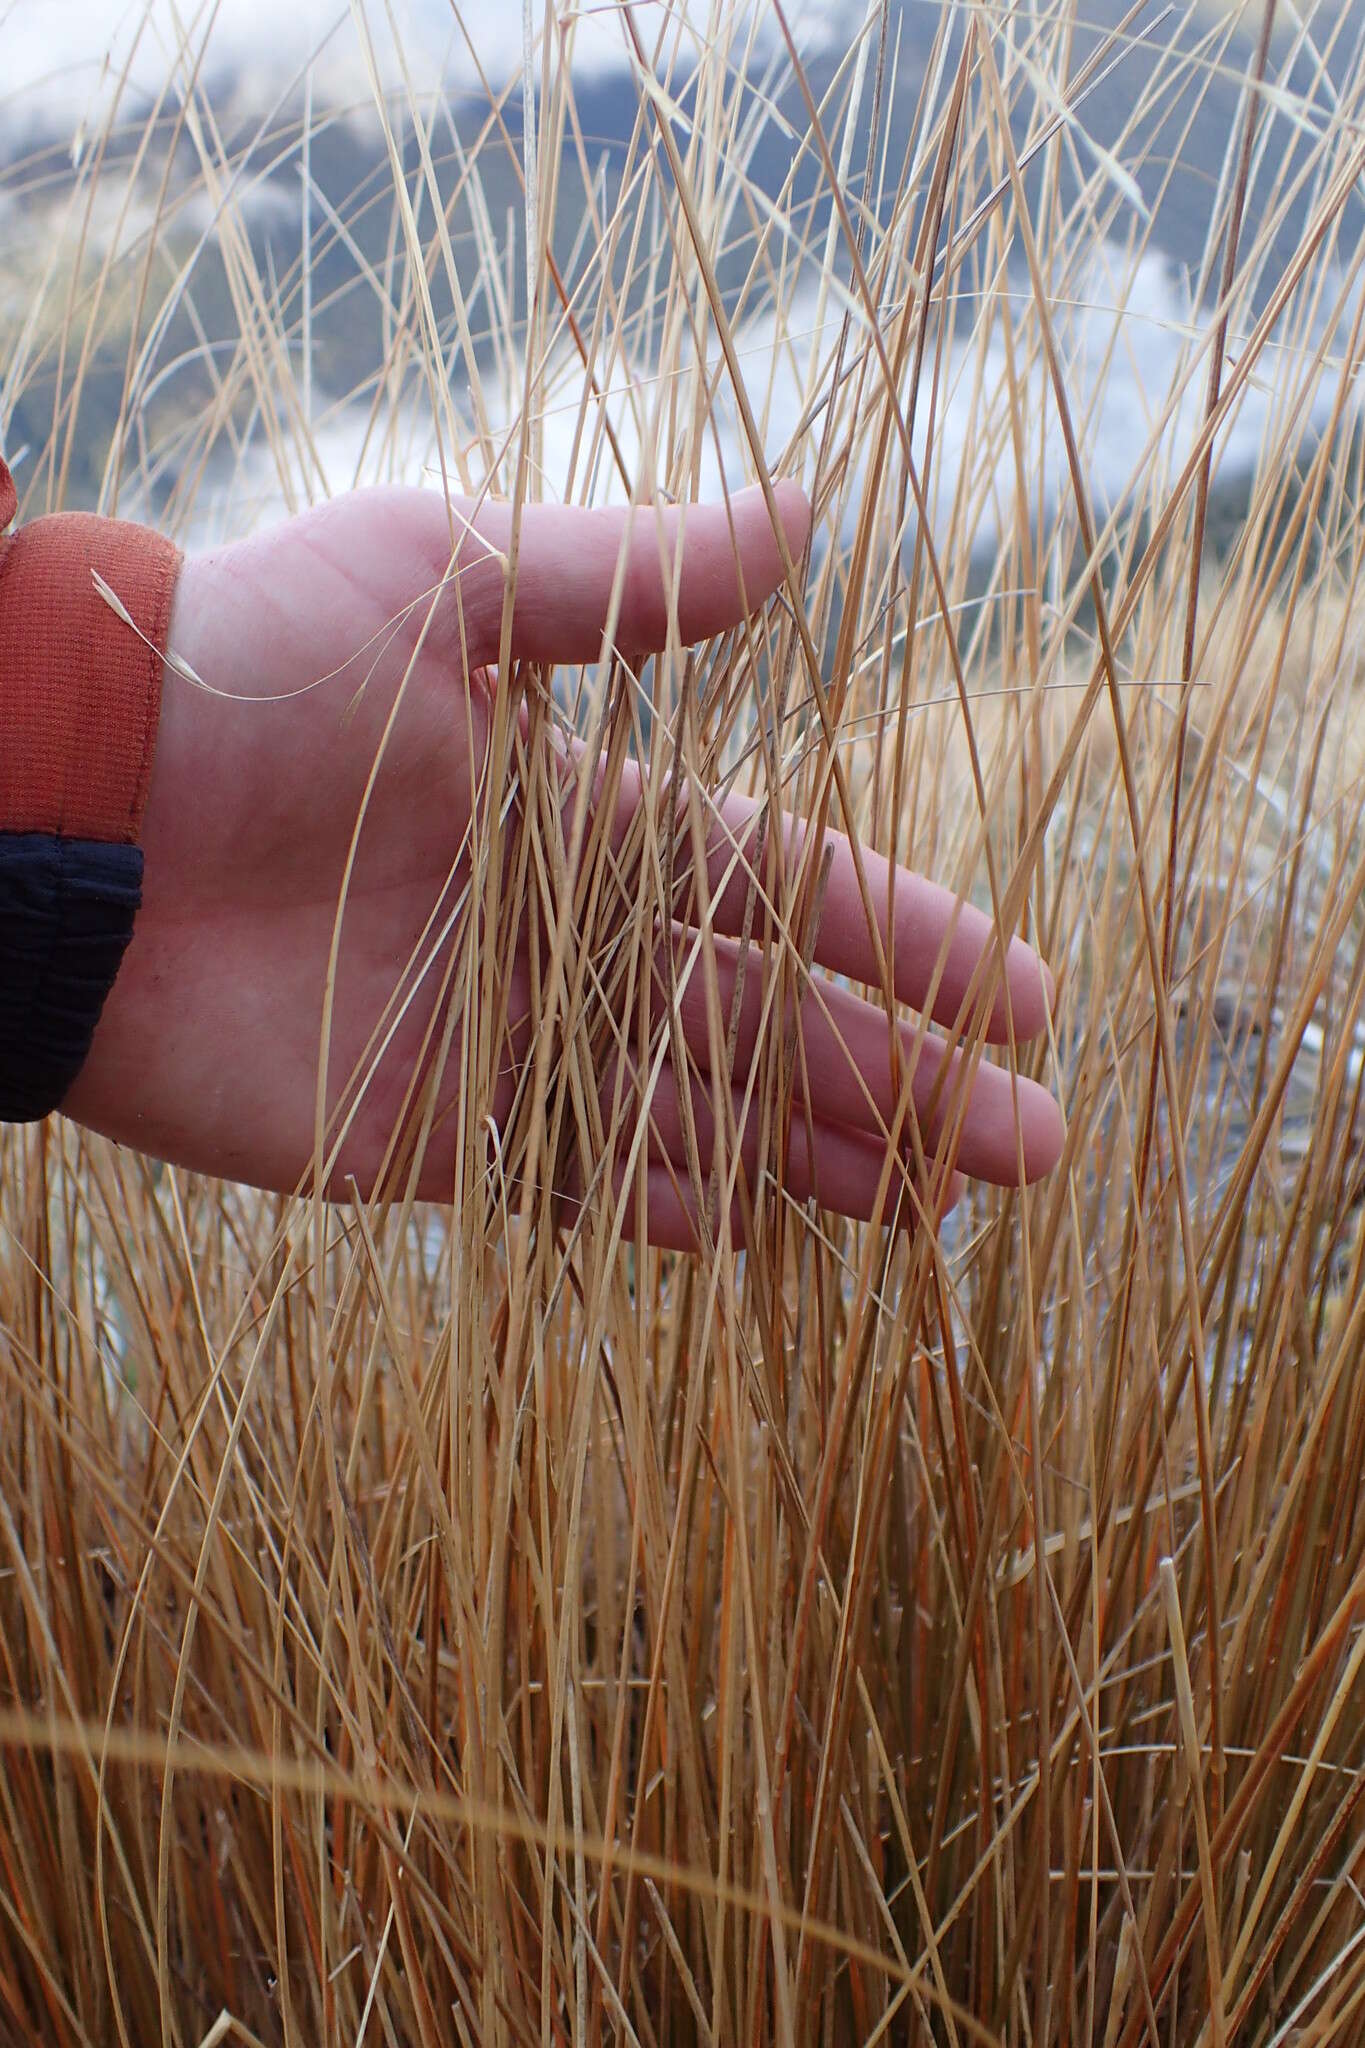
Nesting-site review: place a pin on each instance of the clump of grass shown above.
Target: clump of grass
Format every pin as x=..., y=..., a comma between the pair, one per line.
x=423, y=1625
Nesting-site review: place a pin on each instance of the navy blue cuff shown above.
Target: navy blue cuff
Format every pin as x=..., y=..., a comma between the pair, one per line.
x=66, y=916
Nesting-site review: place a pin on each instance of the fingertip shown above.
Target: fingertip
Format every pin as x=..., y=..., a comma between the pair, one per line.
x=733, y=559
x=1049, y=993
x=1044, y=1134
x=1032, y=994
x=794, y=510
x=763, y=555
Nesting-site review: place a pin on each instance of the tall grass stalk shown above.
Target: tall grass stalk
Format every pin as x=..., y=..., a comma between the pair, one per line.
x=429, y=1625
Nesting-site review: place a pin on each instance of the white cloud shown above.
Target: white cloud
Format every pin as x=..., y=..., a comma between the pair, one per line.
x=1129, y=343
x=63, y=58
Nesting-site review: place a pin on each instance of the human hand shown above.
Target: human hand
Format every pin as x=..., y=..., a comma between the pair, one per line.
x=323, y=647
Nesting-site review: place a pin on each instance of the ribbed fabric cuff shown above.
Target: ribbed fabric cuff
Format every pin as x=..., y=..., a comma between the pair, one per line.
x=80, y=699
x=66, y=916
x=80, y=678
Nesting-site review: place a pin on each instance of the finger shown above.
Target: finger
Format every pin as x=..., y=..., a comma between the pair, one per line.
x=671, y=1211
x=711, y=564
x=936, y=943
x=842, y=1169
x=671, y=1215
x=939, y=947
x=843, y=1064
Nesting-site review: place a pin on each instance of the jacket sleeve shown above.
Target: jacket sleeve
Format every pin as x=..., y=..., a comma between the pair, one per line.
x=80, y=699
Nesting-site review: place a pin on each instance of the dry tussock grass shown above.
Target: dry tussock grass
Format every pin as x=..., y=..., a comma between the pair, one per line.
x=420, y=1626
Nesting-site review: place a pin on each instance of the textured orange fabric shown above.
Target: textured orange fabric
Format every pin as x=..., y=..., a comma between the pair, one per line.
x=80, y=691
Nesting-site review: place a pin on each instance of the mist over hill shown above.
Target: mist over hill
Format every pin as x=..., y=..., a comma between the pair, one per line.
x=253, y=72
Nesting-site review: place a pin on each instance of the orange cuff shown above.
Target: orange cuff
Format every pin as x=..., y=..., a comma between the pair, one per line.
x=80, y=689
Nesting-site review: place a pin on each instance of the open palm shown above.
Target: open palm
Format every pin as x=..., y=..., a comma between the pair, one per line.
x=361, y=632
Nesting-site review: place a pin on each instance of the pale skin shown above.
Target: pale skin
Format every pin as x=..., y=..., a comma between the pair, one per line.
x=207, y=1050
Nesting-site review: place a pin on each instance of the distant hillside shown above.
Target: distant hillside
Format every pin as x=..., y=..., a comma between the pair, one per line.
x=1175, y=161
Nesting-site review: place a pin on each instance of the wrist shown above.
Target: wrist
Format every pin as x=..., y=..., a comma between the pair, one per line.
x=80, y=694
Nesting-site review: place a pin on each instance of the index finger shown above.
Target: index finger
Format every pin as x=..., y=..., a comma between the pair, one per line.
x=708, y=565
